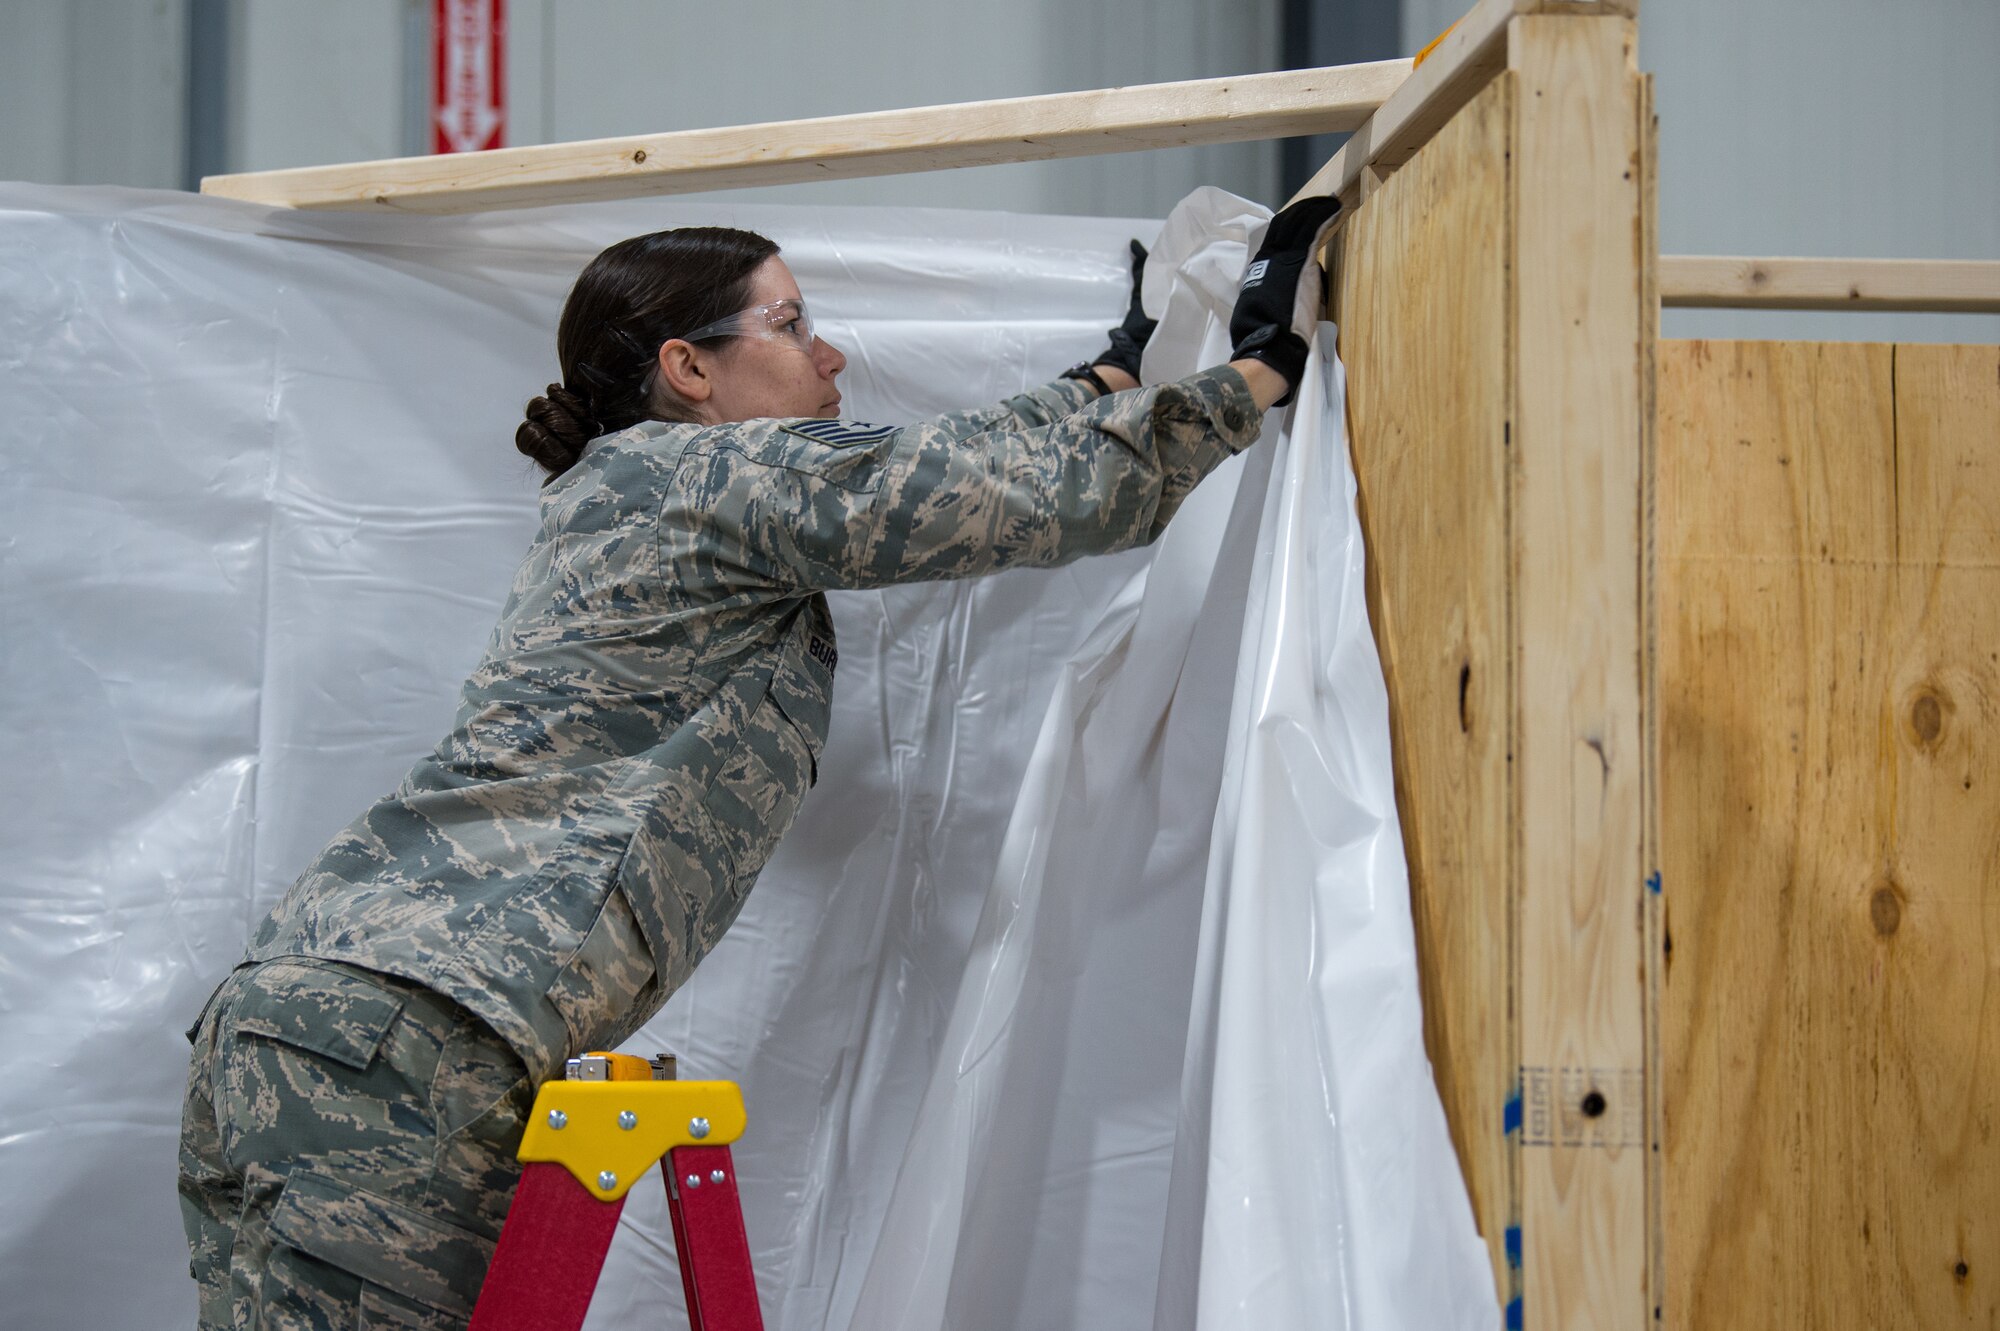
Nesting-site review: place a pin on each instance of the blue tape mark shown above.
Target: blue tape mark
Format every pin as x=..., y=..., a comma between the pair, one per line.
x=1510, y=1113
x=1516, y=1320
x=1653, y=882
x=1513, y=1242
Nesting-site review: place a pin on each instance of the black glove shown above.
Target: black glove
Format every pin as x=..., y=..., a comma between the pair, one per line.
x=1284, y=290
x=1128, y=340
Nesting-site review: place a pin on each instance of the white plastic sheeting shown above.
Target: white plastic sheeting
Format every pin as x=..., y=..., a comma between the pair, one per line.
x=1082, y=994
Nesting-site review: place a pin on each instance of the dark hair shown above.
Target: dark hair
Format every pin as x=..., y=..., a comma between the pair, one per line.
x=627, y=301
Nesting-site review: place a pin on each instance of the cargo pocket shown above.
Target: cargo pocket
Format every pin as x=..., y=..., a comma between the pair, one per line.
x=728, y=791
x=609, y=980
x=405, y=1269
x=802, y=687
x=381, y=1311
x=757, y=794
x=324, y=1011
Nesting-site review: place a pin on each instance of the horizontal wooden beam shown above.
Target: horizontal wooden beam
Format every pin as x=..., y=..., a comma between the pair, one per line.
x=1454, y=68
x=1958, y=286
x=1449, y=72
x=875, y=143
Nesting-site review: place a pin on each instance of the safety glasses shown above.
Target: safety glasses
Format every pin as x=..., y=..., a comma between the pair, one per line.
x=780, y=321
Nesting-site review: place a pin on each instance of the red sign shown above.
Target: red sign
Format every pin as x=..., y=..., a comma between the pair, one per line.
x=468, y=72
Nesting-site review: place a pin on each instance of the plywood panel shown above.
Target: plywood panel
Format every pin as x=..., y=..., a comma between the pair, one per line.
x=1936, y=911
x=1422, y=303
x=1829, y=669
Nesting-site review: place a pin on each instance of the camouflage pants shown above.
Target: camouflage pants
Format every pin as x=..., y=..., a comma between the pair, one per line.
x=347, y=1151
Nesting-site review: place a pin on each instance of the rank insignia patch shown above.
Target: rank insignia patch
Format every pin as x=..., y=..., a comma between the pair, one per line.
x=840, y=434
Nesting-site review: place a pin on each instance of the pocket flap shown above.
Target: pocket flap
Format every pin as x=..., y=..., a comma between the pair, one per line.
x=194, y=1027
x=383, y=1242
x=317, y=1008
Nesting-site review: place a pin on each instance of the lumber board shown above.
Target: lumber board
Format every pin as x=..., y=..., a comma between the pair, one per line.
x=1452, y=71
x=1953, y=286
x=1422, y=302
x=1830, y=849
x=1649, y=682
x=1579, y=339
x=934, y=138
x=1495, y=300
x=1461, y=63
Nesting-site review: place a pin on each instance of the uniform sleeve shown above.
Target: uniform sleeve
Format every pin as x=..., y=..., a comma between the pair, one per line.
x=925, y=502
x=1024, y=411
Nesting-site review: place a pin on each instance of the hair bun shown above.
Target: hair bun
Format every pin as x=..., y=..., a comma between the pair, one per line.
x=557, y=427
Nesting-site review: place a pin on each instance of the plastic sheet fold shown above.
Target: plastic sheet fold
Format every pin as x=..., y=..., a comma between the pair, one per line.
x=1083, y=992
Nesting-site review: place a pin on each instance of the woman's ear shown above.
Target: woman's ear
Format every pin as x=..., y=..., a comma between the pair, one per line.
x=682, y=371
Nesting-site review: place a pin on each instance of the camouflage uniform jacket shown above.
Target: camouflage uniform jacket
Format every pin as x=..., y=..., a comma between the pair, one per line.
x=651, y=707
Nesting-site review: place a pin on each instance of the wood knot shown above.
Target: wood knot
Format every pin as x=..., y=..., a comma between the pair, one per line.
x=639, y=155
x=1885, y=909
x=1961, y=1271
x=1593, y=1105
x=1927, y=717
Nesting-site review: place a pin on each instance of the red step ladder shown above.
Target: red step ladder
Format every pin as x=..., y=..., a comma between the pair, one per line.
x=588, y=1140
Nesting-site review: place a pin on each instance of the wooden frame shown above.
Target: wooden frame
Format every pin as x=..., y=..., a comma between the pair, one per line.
x=1456, y=66
x=1949, y=286
x=1497, y=287
x=1496, y=269
x=1391, y=109
x=875, y=143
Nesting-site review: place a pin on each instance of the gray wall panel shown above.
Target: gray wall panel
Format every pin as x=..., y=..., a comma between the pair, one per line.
x=1852, y=128
x=648, y=65
x=315, y=82
x=91, y=91
x=34, y=91
x=98, y=87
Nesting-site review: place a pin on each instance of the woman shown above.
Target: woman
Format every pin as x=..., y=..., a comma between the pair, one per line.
x=647, y=717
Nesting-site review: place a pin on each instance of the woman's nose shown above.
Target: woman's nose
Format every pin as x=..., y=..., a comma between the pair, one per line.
x=831, y=361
